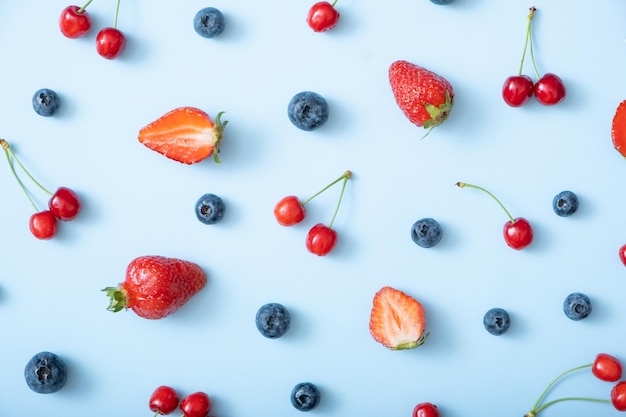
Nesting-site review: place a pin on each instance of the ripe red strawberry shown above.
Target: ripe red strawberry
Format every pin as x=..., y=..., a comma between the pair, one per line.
x=397, y=320
x=185, y=134
x=156, y=286
x=618, y=129
x=423, y=96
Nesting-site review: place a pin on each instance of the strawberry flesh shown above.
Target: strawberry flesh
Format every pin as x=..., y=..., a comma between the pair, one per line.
x=618, y=129
x=397, y=320
x=185, y=134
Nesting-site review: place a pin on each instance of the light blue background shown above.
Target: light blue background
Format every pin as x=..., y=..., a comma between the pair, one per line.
x=138, y=203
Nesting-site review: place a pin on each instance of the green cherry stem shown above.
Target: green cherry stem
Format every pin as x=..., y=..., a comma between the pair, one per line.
x=117, y=12
x=82, y=9
x=333, y=3
x=546, y=405
x=463, y=184
x=8, y=153
x=7, y=149
x=527, y=40
x=345, y=175
x=530, y=41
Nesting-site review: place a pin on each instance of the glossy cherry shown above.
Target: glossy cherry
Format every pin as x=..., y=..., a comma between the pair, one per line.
x=197, y=404
x=64, y=204
x=518, y=232
x=549, y=90
x=289, y=211
x=164, y=400
x=74, y=21
x=321, y=239
x=618, y=396
x=622, y=254
x=110, y=42
x=43, y=225
x=517, y=90
x=322, y=16
x=607, y=368
x=425, y=410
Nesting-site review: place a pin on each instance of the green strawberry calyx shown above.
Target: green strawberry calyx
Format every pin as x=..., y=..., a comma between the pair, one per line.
x=218, y=132
x=438, y=114
x=118, y=298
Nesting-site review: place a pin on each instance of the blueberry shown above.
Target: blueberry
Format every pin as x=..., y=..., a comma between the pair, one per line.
x=308, y=110
x=273, y=320
x=565, y=203
x=577, y=306
x=210, y=209
x=46, y=102
x=442, y=2
x=497, y=321
x=426, y=232
x=208, y=22
x=305, y=396
x=45, y=373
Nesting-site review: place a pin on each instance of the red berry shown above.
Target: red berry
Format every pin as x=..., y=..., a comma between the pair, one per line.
x=618, y=396
x=164, y=400
x=64, y=204
x=110, y=42
x=622, y=254
x=288, y=211
x=197, y=404
x=549, y=90
x=43, y=225
x=73, y=22
x=425, y=410
x=321, y=239
x=517, y=90
x=518, y=233
x=607, y=368
x=322, y=16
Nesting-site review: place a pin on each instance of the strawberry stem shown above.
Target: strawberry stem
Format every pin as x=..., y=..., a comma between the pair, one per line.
x=118, y=299
x=218, y=132
x=117, y=12
x=463, y=184
x=346, y=177
x=82, y=9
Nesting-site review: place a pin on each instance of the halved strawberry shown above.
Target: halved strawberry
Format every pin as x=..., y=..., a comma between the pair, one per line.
x=618, y=129
x=397, y=320
x=185, y=134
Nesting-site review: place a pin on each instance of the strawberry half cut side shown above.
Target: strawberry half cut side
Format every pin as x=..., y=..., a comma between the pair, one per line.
x=618, y=129
x=185, y=134
x=397, y=320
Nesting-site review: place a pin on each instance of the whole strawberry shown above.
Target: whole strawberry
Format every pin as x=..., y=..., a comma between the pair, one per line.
x=156, y=286
x=424, y=97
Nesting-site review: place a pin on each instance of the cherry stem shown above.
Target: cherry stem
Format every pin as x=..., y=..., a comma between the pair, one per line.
x=345, y=175
x=530, y=17
x=535, y=409
x=5, y=145
x=546, y=405
x=82, y=9
x=333, y=3
x=117, y=12
x=8, y=153
x=463, y=184
x=530, y=41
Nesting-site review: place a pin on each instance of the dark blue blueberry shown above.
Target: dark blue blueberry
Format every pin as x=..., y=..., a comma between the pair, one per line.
x=208, y=22
x=210, y=209
x=273, y=320
x=577, y=306
x=565, y=203
x=46, y=102
x=497, y=321
x=442, y=2
x=308, y=110
x=305, y=396
x=426, y=232
x=45, y=373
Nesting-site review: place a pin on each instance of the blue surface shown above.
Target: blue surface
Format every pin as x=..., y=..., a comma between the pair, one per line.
x=136, y=203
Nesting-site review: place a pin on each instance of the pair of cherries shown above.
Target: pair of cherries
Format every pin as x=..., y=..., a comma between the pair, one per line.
x=75, y=22
x=164, y=400
x=321, y=239
x=518, y=89
x=63, y=204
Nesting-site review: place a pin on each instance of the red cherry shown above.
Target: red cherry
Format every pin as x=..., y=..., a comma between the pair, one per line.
x=164, y=400
x=110, y=42
x=549, y=90
x=289, y=211
x=64, y=204
x=43, y=225
x=622, y=254
x=74, y=22
x=425, y=410
x=607, y=368
x=518, y=233
x=618, y=396
x=322, y=16
x=517, y=90
x=197, y=404
x=321, y=239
